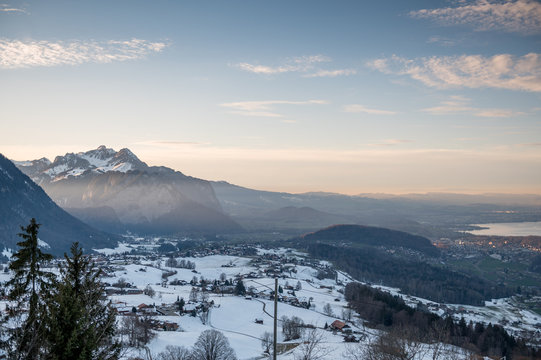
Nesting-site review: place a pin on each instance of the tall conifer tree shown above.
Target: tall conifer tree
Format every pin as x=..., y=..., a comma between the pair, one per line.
x=27, y=285
x=80, y=324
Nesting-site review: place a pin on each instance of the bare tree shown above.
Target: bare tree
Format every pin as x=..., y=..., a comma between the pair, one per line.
x=171, y=262
x=355, y=352
x=204, y=316
x=128, y=330
x=213, y=345
x=439, y=337
x=204, y=296
x=292, y=328
x=396, y=344
x=137, y=329
x=175, y=353
x=149, y=291
x=223, y=277
x=347, y=314
x=312, y=346
x=121, y=284
x=299, y=286
x=267, y=341
x=194, y=295
x=327, y=310
x=144, y=326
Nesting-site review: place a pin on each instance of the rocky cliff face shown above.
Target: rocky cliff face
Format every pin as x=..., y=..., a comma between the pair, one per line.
x=140, y=196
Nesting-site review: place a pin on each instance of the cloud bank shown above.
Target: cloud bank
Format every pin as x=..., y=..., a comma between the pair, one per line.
x=503, y=71
x=521, y=16
x=33, y=53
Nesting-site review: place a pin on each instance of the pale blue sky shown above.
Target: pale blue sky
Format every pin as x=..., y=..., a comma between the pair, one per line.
x=343, y=96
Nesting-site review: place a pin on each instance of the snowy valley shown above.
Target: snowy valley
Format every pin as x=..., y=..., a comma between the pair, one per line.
x=180, y=297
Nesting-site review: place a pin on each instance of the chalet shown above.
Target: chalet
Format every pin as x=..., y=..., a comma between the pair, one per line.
x=339, y=325
x=143, y=306
x=169, y=326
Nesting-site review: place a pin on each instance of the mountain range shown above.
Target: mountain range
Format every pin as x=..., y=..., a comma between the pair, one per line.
x=115, y=191
x=22, y=200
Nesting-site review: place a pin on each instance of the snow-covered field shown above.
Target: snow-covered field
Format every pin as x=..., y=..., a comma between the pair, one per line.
x=235, y=315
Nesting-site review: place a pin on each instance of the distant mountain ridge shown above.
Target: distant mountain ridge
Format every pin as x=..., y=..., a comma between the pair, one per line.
x=146, y=198
x=137, y=197
x=433, y=216
x=21, y=199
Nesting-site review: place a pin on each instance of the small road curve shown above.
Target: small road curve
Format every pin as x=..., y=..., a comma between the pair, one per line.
x=230, y=331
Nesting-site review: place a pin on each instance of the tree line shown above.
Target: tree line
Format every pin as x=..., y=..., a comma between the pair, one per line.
x=393, y=314
x=413, y=277
x=55, y=317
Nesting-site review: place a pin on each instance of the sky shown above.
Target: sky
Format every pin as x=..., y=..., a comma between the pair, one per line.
x=340, y=96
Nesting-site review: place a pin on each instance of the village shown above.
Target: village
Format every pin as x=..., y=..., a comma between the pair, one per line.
x=202, y=288
x=169, y=298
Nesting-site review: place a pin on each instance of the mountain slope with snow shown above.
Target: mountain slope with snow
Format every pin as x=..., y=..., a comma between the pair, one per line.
x=97, y=161
x=143, y=198
x=21, y=199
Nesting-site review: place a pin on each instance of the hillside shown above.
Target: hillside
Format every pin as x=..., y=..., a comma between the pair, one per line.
x=21, y=199
x=373, y=236
x=141, y=198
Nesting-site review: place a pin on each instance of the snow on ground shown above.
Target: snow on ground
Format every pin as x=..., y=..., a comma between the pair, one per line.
x=505, y=311
x=120, y=249
x=280, y=251
x=7, y=253
x=235, y=316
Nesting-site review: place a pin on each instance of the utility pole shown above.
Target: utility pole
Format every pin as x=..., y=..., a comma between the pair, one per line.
x=275, y=318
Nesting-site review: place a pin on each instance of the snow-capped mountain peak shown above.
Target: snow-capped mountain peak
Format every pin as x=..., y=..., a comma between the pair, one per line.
x=100, y=160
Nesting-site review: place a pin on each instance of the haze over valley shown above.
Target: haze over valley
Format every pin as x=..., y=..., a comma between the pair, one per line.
x=247, y=180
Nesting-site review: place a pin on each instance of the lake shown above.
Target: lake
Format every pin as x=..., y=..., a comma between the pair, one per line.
x=510, y=229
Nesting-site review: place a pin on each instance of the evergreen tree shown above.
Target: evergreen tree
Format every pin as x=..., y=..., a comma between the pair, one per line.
x=79, y=324
x=181, y=304
x=28, y=281
x=239, y=288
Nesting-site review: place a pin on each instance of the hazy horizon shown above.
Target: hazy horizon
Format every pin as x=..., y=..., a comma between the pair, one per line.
x=349, y=97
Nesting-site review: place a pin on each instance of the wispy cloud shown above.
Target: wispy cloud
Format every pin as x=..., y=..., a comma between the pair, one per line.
x=11, y=9
x=392, y=142
x=522, y=16
x=332, y=73
x=356, y=108
x=440, y=40
x=460, y=104
x=307, y=65
x=296, y=64
x=534, y=144
x=264, y=108
x=503, y=113
x=503, y=71
x=172, y=143
x=455, y=104
x=31, y=53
